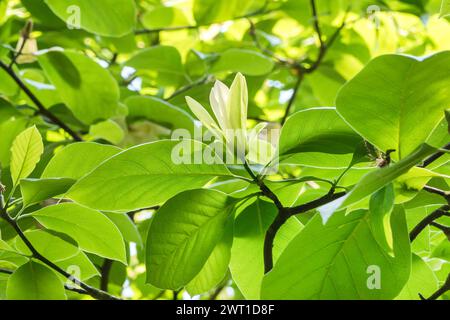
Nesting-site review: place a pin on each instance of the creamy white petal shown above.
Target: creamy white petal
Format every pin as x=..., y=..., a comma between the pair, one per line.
x=201, y=113
x=218, y=100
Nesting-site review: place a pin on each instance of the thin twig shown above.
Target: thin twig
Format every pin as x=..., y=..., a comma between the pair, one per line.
x=441, y=290
x=323, y=49
x=435, y=156
x=292, y=99
x=444, y=194
x=94, y=292
x=105, y=270
x=42, y=110
x=182, y=90
x=67, y=287
x=442, y=211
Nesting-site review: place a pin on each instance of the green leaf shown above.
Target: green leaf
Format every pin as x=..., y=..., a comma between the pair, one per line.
x=145, y=176
x=11, y=124
x=160, y=112
x=375, y=180
x=247, y=260
x=26, y=152
x=445, y=8
x=108, y=130
x=422, y=281
x=248, y=62
x=208, y=11
x=408, y=185
x=164, y=17
x=315, y=133
x=215, y=268
x=88, y=90
x=64, y=254
x=34, y=281
x=183, y=235
x=5, y=247
x=161, y=64
x=78, y=159
x=113, y=18
x=397, y=101
x=126, y=226
x=37, y=190
x=93, y=232
x=341, y=260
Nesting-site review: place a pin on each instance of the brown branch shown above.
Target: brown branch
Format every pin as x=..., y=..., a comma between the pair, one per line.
x=94, y=292
x=264, y=188
x=292, y=99
x=80, y=291
x=435, y=156
x=444, y=229
x=323, y=49
x=283, y=215
x=442, y=211
x=441, y=290
x=105, y=271
x=42, y=110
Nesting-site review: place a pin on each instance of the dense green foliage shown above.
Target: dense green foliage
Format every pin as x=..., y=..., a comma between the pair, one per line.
x=120, y=179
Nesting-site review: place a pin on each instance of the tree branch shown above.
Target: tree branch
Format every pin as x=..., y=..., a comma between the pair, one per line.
x=435, y=156
x=323, y=49
x=105, y=271
x=441, y=290
x=442, y=211
x=94, y=292
x=42, y=110
x=263, y=187
x=445, y=194
x=283, y=215
x=292, y=99
x=80, y=291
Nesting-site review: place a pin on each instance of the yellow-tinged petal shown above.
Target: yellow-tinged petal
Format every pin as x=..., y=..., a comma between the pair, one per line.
x=201, y=113
x=204, y=117
x=237, y=109
x=237, y=103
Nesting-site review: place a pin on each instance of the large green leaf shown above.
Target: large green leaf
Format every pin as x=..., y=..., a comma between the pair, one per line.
x=159, y=111
x=163, y=17
x=317, y=130
x=445, y=8
x=183, y=235
x=85, y=87
x=78, y=159
x=93, y=231
x=64, y=254
x=145, y=176
x=34, y=281
x=248, y=62
x=26, y=151
x=37, y=190
x=397, y=101
x=247, y=260
x=215, y=268
x=112, y=18
x=375, y=180
x=341, y=260
x=159, y=63
x=422, y=281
